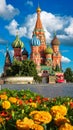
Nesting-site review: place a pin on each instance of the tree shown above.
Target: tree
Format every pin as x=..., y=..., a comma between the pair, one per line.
x=23, y=68
x=68, y=74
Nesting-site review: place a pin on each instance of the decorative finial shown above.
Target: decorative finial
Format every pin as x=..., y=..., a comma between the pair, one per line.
x=38, y=9
x=17, y=32
x=54, y=33
x=7, y=47
x=38, y=4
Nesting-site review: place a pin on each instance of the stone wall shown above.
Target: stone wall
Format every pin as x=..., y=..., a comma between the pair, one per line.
x=18, y=80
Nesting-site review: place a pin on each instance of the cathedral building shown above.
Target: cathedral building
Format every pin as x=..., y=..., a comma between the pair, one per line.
x=46, y=58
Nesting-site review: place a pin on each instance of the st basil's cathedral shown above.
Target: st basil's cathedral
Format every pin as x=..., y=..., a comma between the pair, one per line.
x=46, y=58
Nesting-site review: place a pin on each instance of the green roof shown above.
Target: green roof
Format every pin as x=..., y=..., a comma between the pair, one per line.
x=44, y=67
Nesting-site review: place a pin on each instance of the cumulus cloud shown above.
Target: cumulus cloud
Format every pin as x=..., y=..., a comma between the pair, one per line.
x=29, y=2
x=51, y=23
x=2, y=41
x=69, y=29
x=13, y=28
x=65, y=59
x=7, y=11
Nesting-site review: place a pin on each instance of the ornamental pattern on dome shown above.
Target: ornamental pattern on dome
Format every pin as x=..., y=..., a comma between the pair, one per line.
x=49, y=50
x=35, y=41
x=55, y=41
x=17, y=43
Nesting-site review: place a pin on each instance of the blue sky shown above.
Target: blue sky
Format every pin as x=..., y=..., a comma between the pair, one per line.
x=20, y=15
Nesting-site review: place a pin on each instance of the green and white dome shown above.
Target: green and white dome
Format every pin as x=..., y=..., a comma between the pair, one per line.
x=17, y=43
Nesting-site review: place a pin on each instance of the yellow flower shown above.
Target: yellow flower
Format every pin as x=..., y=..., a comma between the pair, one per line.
x=21, y=125
x=33, y=104
x=1, y=120
x=59, y=119
x=3, y=97
x=58, y=109
x=24, y=124
x=28, y=121
x=41, y=116
x=27, y=124
x=66, y=126
x=12, y=99
x=6, y=104
x=37, y=127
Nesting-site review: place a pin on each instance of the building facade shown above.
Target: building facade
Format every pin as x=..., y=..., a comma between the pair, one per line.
x=46, y=58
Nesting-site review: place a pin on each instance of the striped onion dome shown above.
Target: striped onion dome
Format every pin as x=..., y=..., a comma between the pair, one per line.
x=17, y=43
x=49, y=50
x=35, y=41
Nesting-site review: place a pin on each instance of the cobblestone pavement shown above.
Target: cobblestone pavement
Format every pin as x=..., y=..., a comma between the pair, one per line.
x=47, y=90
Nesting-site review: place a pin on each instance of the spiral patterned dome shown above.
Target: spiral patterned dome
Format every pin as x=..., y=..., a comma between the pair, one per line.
x=17, y=43
x=49, y=50
x=35, y=41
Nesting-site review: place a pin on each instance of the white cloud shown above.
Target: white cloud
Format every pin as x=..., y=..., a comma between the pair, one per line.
x=62, y=25
x=7, y=11
x=69, y=29
x=14, y=27
x=65, y=59
x=30, y=3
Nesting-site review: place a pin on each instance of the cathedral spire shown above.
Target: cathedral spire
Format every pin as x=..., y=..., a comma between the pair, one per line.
x=38, y=22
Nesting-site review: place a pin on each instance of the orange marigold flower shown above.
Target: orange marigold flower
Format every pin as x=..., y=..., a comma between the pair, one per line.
x=37, y=127
x=21, y=125
x=12, y=99
x=3, y=97
x=24, y=124
x=41, y=116
x=20, y=102
x=1, y=120
x=6, y=104
x=59, y=119
x=28, y=121
x=58, y=109
x=66, y=126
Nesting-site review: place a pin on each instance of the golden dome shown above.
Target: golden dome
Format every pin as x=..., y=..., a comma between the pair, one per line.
x=38, y=9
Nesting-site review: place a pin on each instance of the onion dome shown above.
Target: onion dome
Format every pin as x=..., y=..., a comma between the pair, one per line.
x=49, y=50
x=17, y=43
x=55, y=40
x=35, y=41
x=38, y=9
x=24, y=52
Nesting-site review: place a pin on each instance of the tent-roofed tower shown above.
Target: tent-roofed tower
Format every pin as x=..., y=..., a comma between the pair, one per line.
x=7, y=62
x=17, y=45
x=39, y=32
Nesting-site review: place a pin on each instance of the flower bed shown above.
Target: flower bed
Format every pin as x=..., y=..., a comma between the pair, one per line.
x=26, y=110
